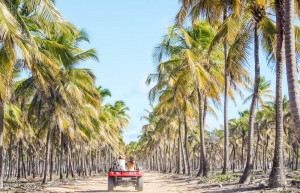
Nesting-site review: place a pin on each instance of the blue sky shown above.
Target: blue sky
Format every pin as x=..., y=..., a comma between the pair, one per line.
x=124, y=33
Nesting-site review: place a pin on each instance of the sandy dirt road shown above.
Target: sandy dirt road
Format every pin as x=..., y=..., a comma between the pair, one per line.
x=154, y=183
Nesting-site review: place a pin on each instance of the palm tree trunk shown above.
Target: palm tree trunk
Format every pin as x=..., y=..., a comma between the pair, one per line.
x=10, y=157
x=233, y=160
x=105, y=158
x=19, y=160
x=23, y=162
x=90, y=159
x=277, y=176
x=61, y=155
x=1, y=141
x=226, y=78
x=245, y=178
x=160, y=159
x=170, y=159
x=67, y=164
x=266, y=155
x=49, y=131
x=174, y=157
x=291, y=64
x=242, y=157
x=256, y=149
x=179, y=163
x=293, y=158
x=151, y=161
x=97, y=161
x=297, y=158
x=100, y=162
x=38, y=164
x=183, y=157
x=29, y=161
x=165, y=156
x=71, y=164
x=82, y=159
x=156, y=160
x=182, y=150
x=203, y=162
x=51, y=153
x=186, y=146
x=33, y=171
x=193, y=159
x=204, y=111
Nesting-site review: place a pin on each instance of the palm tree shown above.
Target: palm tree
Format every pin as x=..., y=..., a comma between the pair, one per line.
x=261, y=23
x=227, y=77
x=264, y=92
x=119, y=110
x=249, y=165
x=104, y=92
x=277, y=176
x=237, y=75
x=291, y=63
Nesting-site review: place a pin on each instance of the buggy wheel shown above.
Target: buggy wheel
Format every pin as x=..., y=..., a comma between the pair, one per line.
x=111, y=183
x=140, y=184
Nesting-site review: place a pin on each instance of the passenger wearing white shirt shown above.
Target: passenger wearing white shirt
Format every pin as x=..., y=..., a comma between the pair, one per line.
x=121, y=164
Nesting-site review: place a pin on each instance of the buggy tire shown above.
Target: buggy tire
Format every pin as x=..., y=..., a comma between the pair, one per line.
x=111, y=183
x=140, y=184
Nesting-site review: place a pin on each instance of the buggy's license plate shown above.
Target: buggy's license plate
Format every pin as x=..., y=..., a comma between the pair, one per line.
x=126, y=179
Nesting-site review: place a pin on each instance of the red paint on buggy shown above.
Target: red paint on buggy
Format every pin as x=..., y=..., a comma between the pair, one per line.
x=126, y=173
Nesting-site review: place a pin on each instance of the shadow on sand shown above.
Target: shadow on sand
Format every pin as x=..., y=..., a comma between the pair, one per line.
x=90, y=191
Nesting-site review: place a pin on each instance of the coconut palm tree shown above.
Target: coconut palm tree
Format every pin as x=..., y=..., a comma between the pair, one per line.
x=291, y=63
x=277, y=176
x=104, y=92
x=261, y=22
x=264, y=92
x=119, y=110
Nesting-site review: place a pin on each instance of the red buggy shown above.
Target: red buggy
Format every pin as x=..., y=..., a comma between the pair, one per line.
x=125, y=179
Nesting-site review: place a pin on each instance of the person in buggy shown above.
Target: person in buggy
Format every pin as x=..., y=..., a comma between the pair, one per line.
x=119, y=165
x=131, y=164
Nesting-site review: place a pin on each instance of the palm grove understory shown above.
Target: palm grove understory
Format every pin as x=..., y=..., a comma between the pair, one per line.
x=206, y=60
x=54, y=120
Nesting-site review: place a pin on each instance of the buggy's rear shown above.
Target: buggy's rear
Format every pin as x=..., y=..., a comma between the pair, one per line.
x=125, y=179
